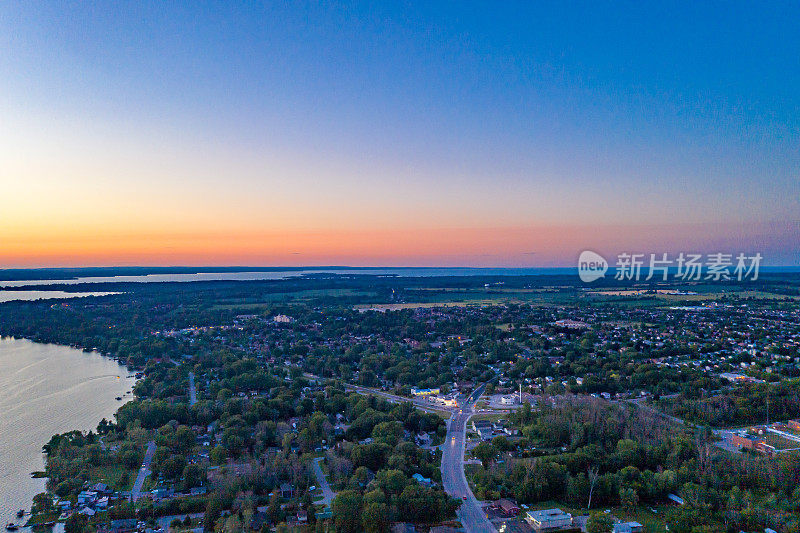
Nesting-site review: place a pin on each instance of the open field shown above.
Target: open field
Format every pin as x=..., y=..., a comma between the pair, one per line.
x=112, y=474
x=492, y=417
x=418, y=305
x=267, y=299
x=779, y=442
x=652, y=522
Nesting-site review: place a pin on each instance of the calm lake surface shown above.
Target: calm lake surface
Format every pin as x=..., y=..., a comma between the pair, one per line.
x=10, y=296
x=47, y=389
x=284, y=274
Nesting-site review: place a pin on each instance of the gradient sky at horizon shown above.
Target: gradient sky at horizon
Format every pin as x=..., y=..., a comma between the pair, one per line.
x=430, y=133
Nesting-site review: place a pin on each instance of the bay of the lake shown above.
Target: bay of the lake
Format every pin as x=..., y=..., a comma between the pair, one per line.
x=47, y=389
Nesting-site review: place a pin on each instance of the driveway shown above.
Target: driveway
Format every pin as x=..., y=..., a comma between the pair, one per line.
x=327, y=493
x=144, y=471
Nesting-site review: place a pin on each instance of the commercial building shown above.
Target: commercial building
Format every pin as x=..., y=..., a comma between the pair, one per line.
x=549, y=519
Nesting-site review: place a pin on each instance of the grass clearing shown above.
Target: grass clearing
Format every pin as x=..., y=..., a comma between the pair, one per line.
x=113, y=476
x=652, y=522
x=42, y=518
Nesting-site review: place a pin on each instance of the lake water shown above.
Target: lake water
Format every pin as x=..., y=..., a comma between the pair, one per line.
x=10, y=296
x=47, y=389
x=284, y=274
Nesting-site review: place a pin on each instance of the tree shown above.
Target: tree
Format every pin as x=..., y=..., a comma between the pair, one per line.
x=375, y=518
x=173, y=466
x=274, y=508
x=218, y=455
x=192, y=476
x=628, y=497
x=76, y=523
x=485, y=451
x=42, y=503
x=346, y=512
x=392, y=481
x=213, y=512
x=502, y=444
x=599, y=523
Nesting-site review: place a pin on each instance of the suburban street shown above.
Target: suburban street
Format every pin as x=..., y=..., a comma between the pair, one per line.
x=453, y=479
x=327, y=492
x=144, y=471
x=192, y=390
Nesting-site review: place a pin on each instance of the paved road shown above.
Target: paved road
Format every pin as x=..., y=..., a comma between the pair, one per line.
x=165, y=521
x=327, y=493
x=144, y=471
x=641, y=403
x=192, y=390
x=423, y=405
x=455, y=482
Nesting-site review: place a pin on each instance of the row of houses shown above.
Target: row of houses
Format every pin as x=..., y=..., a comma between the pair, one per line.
x=486, y=429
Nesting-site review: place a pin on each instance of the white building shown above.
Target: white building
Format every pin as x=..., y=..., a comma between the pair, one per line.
x=424, y=392
x=549, y=519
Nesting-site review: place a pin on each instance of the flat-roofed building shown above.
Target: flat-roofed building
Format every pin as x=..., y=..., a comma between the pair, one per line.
x=549, y=519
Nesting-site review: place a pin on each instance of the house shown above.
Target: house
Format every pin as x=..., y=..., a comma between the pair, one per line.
x=402, y=527
x=507, y=507
x=742, y=439
x=163, y=493
x=549, y=519
x=478, y=424
x=86, y=497
x=424, y=392
x=422, y=480
x=287, y=491
x=628, y=527
x=100, y=488
x=485, y=433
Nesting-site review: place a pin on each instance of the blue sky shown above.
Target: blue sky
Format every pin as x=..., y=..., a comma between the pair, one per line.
x=428, y=116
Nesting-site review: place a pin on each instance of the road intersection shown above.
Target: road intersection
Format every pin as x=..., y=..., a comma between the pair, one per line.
x=453, y=478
